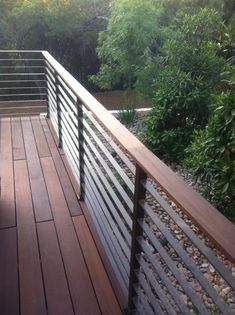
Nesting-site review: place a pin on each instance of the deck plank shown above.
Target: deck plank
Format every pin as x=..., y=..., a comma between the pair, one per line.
x=107, y=300
x=56, y=287
x=7, y=200
x=9, y=297
x=54, y=134
x=44, y=270
x=71, y=175
x=64, y=177
x=17, y=140
x=39, y=193
x=122, y=298
x=32, y=298
x=43, y=149
x=81, y=289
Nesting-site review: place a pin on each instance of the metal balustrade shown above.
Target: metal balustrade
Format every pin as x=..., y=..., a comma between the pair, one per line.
x=23, y=88
x=156, y=231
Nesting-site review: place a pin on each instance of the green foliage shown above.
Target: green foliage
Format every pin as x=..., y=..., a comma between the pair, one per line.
x=67, y=28
x=211, y=156
x=183, y=87
x=180, y=105
x=127, y=116
x=194, y=47
x=137, y=31
x=127, y=46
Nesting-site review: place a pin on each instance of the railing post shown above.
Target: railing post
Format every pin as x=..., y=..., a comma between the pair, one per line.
x=138, y=213
x=80, y=148
x=48, y=102
x=58, y=110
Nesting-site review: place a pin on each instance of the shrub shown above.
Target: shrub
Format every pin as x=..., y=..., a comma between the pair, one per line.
x=211, y=156
x=127, y=116
x=180, y=105
x=188, y=75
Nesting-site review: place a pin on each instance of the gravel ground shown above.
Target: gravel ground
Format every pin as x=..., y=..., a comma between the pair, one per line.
x=223, y=291
x=136, y=129
x=219, y=284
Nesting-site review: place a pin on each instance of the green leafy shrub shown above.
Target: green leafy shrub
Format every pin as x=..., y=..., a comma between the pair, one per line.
x=211, y=156
x=126, y=48
x=188, y=75
x=127, y=116
x=180, y=105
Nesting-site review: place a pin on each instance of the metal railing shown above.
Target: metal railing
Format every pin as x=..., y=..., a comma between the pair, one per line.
x=168, y=247
x=23, y=88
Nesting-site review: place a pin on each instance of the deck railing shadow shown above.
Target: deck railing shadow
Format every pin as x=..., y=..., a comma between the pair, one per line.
x=167, y=245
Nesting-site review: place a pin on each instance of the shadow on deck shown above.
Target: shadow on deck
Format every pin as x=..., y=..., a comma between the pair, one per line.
x=49, y=263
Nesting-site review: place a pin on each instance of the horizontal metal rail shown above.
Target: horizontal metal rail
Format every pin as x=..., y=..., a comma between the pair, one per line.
x=21, y=83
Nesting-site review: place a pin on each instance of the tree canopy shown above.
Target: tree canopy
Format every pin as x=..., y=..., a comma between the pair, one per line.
x=67, y=28
x=178, y=54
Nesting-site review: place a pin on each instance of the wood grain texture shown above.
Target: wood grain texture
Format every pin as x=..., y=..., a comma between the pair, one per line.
x=39, y=193
x=17, y=140
x=54, y=278
x=32, y=298
x=71, y=175
x=66, y=179
x=7, y=197
x=83, y=296
x=40, y=139
x=107, y=300
x=11, y=111
x=122, y=299
x=56, y=287
x=28, y=104
x=9, y=297
x=54, y=134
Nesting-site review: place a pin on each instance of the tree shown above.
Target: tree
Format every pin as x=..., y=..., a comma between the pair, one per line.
x=68, y=29
x=188, y=75
x=128, y=45
x=135, y=36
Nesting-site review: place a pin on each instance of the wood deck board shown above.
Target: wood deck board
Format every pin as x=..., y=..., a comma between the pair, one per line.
x=39, y=193
x=56, y=287
x=31, y=284
x=9, y=295
x=7, y=202
x=63, y=173
x=17, y=140
x=43, y=267
x=74, y=263
x=106, y=298
x=117, y=288
x=42, y=146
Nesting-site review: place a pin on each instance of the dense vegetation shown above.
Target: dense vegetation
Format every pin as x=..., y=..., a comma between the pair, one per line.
x=179, y=54
x=67, y=28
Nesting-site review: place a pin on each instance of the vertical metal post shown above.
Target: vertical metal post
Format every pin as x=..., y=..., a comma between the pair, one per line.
x=80, y=148
x=58, y=110
x=47, y=98
x=138, y=213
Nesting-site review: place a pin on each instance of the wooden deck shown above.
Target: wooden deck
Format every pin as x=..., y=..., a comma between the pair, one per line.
x=49, y=263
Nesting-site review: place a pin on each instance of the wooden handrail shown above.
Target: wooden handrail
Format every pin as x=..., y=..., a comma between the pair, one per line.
x=217, y=227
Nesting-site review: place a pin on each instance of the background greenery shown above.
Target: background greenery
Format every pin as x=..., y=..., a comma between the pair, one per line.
x=180, y=55
x=67, y=28
x=177, y=54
